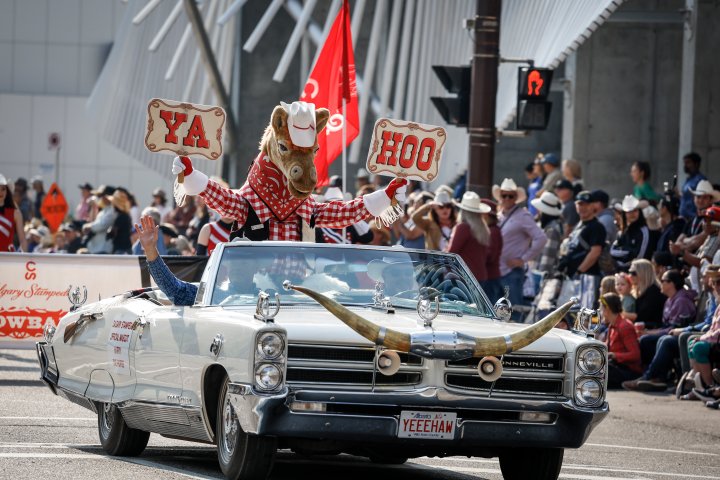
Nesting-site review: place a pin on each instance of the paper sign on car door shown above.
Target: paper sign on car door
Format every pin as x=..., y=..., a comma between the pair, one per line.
x=435, y=425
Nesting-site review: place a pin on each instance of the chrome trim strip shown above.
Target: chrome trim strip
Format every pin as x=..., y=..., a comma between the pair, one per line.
x=508, y=343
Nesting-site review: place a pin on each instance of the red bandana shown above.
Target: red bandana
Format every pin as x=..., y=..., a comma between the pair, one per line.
x=271, y=186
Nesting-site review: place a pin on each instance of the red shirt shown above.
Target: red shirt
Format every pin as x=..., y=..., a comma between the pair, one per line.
x=623, y=342
x=472, y=252
x=7, y=229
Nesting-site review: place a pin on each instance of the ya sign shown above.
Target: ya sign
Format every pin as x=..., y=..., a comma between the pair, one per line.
x=411, y=150
x=184, y=128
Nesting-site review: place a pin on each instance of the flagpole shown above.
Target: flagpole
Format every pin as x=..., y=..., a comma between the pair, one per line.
x=344, y=155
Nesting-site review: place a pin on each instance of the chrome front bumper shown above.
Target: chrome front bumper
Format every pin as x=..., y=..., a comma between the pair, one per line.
x=373, y=418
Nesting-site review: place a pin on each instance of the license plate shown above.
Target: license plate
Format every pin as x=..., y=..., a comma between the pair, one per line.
x=433, y=425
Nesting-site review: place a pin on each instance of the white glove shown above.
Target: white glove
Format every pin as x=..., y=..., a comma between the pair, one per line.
x=195, y=181
x=177, y=166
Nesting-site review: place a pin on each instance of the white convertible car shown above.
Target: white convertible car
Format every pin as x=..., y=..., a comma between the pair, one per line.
x=386, y=353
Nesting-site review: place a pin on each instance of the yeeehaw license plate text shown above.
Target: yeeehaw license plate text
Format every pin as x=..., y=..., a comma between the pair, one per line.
x=437, y=425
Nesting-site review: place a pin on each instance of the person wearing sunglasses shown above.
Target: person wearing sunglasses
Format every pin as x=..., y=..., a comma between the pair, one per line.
x=436, y=219
x=649, y=299
x=678, y=310
x=523, y=240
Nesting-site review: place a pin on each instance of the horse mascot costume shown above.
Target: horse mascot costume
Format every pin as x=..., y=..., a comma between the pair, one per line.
x=275, y=202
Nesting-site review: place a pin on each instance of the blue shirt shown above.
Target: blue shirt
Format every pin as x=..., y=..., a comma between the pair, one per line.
x=179, y=292
x=533, y=188
x=687, y=205
x=709, y=312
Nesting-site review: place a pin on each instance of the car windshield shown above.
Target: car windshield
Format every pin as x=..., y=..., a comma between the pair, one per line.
x=358, y=276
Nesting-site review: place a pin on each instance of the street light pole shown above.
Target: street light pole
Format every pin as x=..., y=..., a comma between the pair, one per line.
x=483, y=93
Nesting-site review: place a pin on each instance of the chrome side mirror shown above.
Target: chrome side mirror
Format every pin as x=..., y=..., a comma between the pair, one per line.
x=503, y=308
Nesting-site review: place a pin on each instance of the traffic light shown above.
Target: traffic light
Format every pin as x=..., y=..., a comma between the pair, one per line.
x=533, y=109
x=454, y=110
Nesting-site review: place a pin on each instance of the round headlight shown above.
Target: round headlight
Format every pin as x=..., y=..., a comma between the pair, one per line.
x=591, y=360
x=270, y=345
x=268, y=376
x=588, y=391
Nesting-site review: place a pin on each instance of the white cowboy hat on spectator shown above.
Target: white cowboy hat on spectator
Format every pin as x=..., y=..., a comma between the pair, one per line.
x=630, y=203
x=3, y=180
x=471, y=202
x=548, y=203
x=445, y=188
x=509, y=185
x=442, y=197
x=362, y=173
x=706, y=188
x=301, y=123
x=333, y=193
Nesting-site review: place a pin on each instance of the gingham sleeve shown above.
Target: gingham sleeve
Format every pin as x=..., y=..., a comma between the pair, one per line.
x=225, y=201
x=339, y=214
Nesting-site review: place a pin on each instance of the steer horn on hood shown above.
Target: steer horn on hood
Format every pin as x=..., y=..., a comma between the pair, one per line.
x=438, y=344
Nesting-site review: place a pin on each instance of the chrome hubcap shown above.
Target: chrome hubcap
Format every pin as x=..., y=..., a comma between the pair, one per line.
x=230, y=430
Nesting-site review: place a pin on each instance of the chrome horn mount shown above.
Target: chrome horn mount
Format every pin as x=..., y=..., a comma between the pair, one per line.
x=74, y=297
x=425, y=308
x=263, y=311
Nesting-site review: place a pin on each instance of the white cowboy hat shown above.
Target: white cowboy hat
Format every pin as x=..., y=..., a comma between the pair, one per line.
x=706, y=188
x=333, y=193
x=301, y=123
x=631, y=203
x=3, y=180
x=471, y=202
x=442, y=197
x=377, y=266
x=509, y=185
x=548, y=203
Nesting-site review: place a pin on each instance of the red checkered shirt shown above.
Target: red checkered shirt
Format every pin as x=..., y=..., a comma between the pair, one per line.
x=234, y=204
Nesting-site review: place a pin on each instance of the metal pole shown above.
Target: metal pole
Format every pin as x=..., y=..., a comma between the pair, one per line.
x=686, y=87
x=483, y=95
x=215, y=78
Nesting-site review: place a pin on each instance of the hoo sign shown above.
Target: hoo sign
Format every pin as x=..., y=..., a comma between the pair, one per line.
x=184, y=128
x=411, y=150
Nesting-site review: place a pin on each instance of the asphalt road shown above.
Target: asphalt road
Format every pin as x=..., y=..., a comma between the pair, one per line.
x=646, y=436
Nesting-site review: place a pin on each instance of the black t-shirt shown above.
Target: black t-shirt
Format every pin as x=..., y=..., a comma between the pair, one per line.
x=583, y=237
x=649, y=307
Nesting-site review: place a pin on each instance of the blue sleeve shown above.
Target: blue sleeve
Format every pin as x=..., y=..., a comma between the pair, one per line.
x=179, y=292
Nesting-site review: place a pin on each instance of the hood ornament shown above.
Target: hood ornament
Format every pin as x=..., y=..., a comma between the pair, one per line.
x=380, y=301
x=425, y=307
x=263, y=311
x=74, y=297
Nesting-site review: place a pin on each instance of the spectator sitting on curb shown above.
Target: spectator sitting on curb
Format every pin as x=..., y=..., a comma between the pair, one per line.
x=622, y=342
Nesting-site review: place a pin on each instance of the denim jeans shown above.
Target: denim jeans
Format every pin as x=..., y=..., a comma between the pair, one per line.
x=493, y=289
x=515, y=279
x=666, y=351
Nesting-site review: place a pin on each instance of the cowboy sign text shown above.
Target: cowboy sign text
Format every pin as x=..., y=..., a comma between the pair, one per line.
x=406, y=149
x=184, y=128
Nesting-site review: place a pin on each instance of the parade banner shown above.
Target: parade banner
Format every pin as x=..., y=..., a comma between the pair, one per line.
x=184, y=128
x=34, y=287
x=403, y=149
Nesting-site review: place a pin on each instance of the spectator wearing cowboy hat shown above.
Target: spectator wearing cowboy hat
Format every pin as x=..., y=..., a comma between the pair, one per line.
x=707, y=250
x=122, y=225
x=693, y=236
x=523, y=240
x=436, y=219
x=471, y=236
x=635, y=241
x=550, y=208
x=97, y=240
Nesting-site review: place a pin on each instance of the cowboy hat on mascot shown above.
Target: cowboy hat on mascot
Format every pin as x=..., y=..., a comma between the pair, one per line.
x=275, y=202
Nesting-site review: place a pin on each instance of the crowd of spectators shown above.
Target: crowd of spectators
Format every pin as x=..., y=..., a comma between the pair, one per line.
x=648, y=261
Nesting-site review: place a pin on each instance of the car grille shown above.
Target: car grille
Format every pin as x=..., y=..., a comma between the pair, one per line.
x=320, y=365
x=530, y=386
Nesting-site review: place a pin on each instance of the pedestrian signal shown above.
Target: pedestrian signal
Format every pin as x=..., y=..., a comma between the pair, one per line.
x=533, y=110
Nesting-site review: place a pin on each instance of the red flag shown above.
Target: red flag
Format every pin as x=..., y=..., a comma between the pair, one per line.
x=333, y=79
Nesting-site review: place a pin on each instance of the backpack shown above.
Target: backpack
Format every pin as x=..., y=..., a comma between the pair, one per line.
x=605, y=261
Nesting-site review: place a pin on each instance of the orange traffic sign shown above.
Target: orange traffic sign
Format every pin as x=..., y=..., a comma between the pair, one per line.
x=54, y=207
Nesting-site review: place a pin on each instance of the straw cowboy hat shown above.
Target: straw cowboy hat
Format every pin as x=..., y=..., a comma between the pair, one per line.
x=301, y=123
x=509, y=185
x=630, y=203
x=120, y=201
x=471, y=202
x=548, y=203
x=705, y=188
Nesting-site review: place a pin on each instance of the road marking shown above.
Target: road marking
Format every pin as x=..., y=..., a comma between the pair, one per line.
x=585, y=476
x=50, y=455
x=167, y=468
x=45, y=419
x=684, y=452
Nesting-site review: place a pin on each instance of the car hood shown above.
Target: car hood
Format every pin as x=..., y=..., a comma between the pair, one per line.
x=315, y=326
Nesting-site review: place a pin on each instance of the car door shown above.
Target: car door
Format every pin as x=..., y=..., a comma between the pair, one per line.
x=156, y=355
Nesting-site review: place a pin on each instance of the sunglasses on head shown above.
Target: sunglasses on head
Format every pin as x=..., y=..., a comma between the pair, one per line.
x=508, y=195
x=632, y=272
